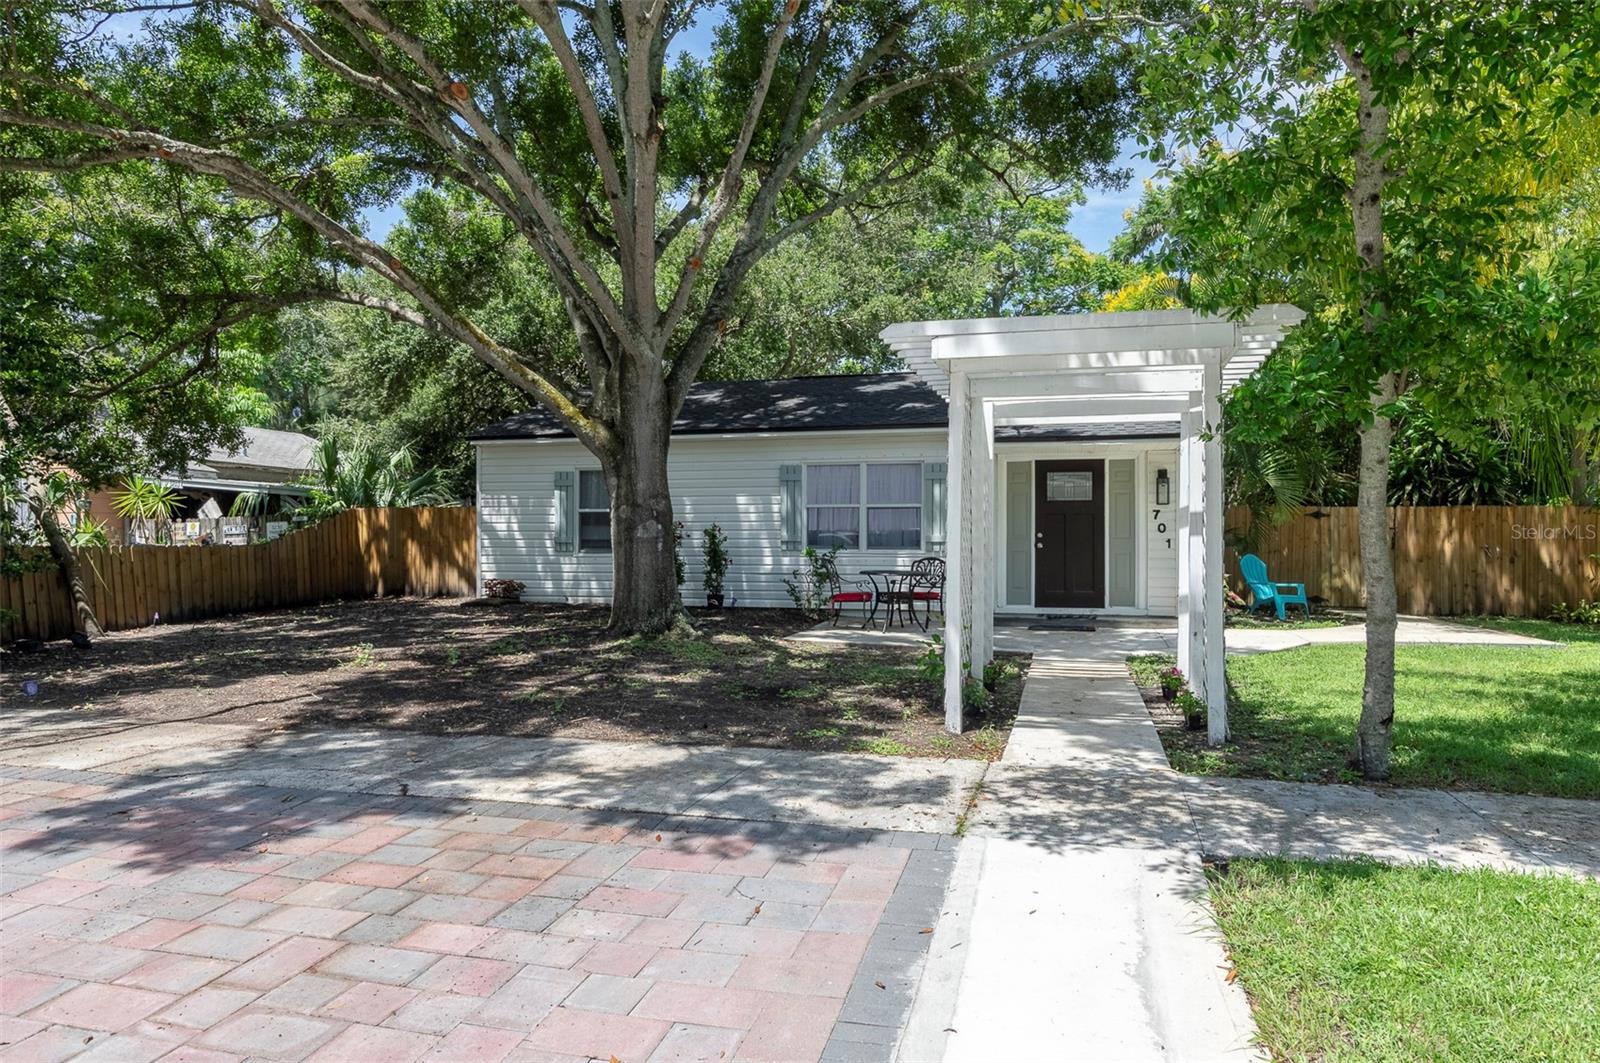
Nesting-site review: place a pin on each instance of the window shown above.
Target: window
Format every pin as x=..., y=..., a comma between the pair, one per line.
x=1069, y=487
x=894, y=506
x=594, y=511
x=886, y=516
x=833, y=506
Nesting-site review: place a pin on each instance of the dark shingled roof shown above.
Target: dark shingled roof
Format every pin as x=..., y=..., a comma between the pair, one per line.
x=819, y=403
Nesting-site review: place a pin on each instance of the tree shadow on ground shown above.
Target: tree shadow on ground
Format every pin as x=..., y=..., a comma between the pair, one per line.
x=444, y=667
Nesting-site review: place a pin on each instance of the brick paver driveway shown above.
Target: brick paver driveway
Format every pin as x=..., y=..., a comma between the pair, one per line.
x=146, y=919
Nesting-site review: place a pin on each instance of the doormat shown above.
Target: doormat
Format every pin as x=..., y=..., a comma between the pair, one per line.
x=1061, y=627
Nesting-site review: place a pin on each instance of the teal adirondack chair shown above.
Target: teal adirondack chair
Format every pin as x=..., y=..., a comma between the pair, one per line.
x=1264, y=592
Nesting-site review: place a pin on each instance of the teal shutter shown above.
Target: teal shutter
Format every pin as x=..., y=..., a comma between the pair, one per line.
x=792, y=507
x=933, y=505
x=566, y=538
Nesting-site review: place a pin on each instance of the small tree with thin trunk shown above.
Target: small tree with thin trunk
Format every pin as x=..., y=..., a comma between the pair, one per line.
x=648, y=181
x=1385, y=174
x=114, y=291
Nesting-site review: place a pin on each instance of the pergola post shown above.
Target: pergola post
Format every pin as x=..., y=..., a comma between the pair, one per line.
x=1199, y=587
x=1215, y=663
x=1184, y=527
x=958, y=550
x=981, y=602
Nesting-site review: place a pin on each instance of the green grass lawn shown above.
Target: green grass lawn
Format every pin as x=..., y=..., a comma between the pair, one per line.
x=1356, y=961
x=1500, y=718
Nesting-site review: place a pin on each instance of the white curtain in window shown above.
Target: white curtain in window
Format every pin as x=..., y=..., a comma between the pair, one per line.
x=894, y=527
x=830, y=526
x=833, y=485
x=897, y=484
x=592, y=492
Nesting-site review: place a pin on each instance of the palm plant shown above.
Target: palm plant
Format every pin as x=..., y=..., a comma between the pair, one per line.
x=358, y=477
x=1271, y=481
x=147, y=501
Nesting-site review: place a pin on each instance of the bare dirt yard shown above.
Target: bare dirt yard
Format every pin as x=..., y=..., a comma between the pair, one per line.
x=448, y=667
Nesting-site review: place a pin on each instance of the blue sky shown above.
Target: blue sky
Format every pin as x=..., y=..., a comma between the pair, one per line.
x=1100, y=217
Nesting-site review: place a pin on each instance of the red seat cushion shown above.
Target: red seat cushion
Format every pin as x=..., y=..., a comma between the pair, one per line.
x=925, y=596
x=853, y=596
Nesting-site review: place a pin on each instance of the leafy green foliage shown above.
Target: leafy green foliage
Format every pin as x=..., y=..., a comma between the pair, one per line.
x=360, y=476
x=714, y=553
x=807, y=587
x=1584, y=612
x=141, y=498
x=116, y=298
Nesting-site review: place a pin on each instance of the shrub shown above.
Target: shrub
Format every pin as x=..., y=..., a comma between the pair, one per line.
x=503, y=588
x=677, y=550
x=1194, y=710
x=808, y=587
x=717, y=561
x=1585, y=612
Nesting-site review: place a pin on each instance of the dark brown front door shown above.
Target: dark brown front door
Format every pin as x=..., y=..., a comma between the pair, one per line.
x=1069, y=529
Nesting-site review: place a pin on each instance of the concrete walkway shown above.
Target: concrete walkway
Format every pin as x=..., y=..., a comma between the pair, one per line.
x=1411, y=631
x=1077, y=927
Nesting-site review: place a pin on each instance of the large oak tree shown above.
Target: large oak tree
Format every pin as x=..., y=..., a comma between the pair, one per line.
x=648, y=181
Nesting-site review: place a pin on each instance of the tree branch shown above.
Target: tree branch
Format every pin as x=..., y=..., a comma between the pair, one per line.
x=544, y=15
x=247, y=180
x=732, y=173
x=458, y=98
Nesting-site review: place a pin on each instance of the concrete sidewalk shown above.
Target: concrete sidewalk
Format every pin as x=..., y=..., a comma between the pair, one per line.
x=1078, y=926
x=1249, y=817
x=1411, y=631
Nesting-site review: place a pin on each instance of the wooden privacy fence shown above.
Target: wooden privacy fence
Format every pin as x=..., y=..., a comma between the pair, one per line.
x=1448, y=560
x=360, y=553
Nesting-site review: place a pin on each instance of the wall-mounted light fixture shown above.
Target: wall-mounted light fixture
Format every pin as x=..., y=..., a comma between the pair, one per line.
x=1163, y=488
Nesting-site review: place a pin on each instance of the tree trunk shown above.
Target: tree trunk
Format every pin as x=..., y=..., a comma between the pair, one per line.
x=83, y=619
x=644, y=587
x=1374, y=730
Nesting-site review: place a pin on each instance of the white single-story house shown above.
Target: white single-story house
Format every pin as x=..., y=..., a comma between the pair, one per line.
x=853, y=461
x=1056, y=462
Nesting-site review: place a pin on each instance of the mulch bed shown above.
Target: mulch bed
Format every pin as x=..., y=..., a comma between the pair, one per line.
x=452, y=668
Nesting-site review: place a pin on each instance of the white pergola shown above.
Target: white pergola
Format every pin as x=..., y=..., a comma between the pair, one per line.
x=1166, y=365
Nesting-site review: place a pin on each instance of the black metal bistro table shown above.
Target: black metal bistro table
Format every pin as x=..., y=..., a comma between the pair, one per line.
x=889, y=588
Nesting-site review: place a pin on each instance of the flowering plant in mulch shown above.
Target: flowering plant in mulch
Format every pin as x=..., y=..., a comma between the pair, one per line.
x=1171, y=682
x=503, y=588
x=1193, y=709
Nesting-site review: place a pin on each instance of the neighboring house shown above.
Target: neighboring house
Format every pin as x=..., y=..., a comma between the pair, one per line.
x=856, y=461
x=268, y=460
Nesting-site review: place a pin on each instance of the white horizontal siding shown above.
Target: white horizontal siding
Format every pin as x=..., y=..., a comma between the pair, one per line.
x=732, y=482
x=1161, y=568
